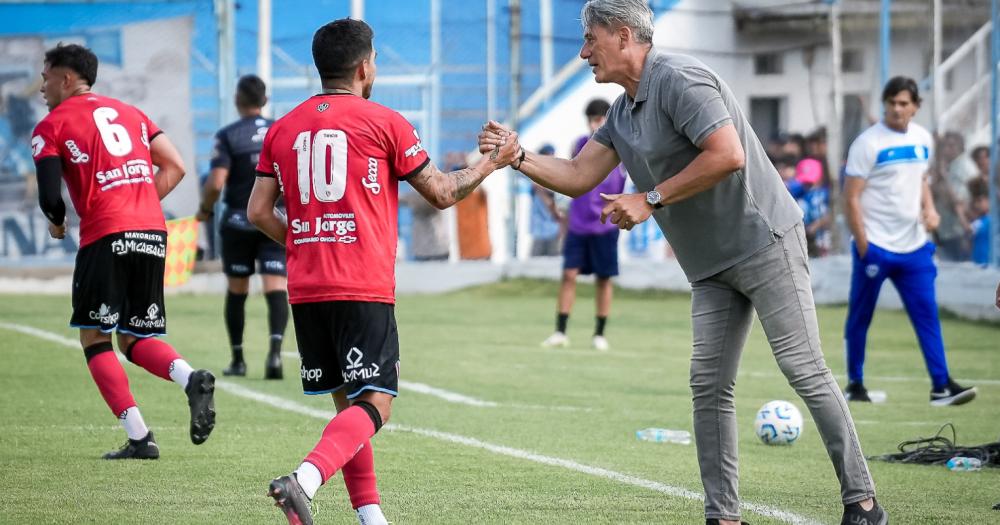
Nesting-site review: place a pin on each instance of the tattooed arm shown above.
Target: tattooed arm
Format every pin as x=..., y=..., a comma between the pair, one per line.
x=445, y=189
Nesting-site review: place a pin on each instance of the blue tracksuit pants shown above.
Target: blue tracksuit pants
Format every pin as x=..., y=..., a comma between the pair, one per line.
x=913, y=276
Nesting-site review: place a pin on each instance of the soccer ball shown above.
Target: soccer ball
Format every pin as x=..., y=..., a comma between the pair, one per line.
x=778, y=423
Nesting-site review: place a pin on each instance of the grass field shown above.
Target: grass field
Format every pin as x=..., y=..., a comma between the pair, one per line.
x=515, y=449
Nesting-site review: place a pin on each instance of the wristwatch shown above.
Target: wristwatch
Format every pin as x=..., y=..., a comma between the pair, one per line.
x=653, y=198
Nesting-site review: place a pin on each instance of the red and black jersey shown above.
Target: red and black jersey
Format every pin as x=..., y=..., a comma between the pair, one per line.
x=339, y=159
x=103, y=145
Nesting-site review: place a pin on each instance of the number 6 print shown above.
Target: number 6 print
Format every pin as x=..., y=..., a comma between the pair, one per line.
x=115, y=136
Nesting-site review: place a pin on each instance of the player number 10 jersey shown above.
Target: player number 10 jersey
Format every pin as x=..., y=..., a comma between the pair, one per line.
x=338, y=160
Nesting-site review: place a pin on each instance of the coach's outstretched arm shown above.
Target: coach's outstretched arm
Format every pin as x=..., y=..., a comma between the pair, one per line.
x=445, y=189
x=569, y=177
x=171, y=166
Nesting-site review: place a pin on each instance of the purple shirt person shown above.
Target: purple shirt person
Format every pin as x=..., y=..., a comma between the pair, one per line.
x=590, y=247
x=585, y=210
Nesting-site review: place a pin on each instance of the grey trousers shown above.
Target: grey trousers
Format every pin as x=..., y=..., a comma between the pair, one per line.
x=775, y=283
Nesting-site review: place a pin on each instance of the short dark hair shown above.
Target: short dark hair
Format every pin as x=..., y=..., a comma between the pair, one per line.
x=897, y=85
x=979, y=150
x=338, y=48
x=77, y=58
x=597, y=108
x=251, y=91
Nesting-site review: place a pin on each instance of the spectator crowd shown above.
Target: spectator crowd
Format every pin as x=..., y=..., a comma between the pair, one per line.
x=958, y=181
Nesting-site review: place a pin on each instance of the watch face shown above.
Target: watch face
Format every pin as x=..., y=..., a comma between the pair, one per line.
x=653, y=197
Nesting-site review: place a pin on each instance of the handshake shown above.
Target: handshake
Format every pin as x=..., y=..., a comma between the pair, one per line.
x=501, y=145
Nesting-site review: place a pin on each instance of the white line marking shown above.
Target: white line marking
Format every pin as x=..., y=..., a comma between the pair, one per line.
x=670, y=490
x=462, y=399
x=929, y=424
x=41, y=334
x=896, y=379
x=292, y=406
x=446, y=395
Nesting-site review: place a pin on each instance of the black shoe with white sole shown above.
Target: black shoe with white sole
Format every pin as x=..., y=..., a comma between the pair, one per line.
x=953, y=394
x=144, y=448
x=856, y=391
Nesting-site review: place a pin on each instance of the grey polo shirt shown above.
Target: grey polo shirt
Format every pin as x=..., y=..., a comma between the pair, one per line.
x=679, y=103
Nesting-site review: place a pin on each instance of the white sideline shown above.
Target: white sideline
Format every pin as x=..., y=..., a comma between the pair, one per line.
x=462, y=399
x=670, y=490
x=889, y=379
x=326, y=415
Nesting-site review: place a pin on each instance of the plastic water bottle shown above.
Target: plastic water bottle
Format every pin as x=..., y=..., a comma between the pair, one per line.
x=964, y=464
x=663, y=435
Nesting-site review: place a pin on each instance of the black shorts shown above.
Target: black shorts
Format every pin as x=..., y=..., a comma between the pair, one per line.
x=350, y=345
x=118, y=284
x=242, y=245
x=592, y=254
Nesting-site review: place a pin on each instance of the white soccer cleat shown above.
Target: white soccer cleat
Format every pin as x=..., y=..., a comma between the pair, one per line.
x=557, y=339
x=600, y=343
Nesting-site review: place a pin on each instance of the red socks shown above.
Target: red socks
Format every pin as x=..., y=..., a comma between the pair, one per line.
x=153, y=355
x=359, y=478
x=109, y=376
x=343, y=438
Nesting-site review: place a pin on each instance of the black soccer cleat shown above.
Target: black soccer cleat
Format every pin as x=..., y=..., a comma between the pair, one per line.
x=713, y=521
x=291, y=499
x=272, y=369
x=855, y=515
x=201, y=398
x=144, y=448
x=236, y=368
x=856, y=391
x=953, y=394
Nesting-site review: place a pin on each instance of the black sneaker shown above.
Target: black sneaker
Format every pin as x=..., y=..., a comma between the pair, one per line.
x=291, y=499
x=713, y=521
x=856, y=391
x=272, y=370
x=236, y=368
x=144, y=448
x=953, y=394
x=201, y=398
x=855, y=515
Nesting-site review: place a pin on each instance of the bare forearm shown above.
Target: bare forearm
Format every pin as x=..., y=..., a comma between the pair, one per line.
x=166, y=179
x=443, y=190
x=705, y=171
x=926, y=197
x=274, y=225
x=550, y=203
x=169, y=163
x=213, y=188
x=855, y=220
x=209, y=197
x=556, y=174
